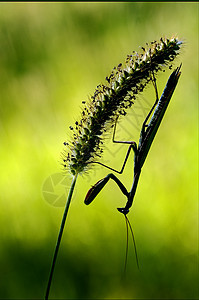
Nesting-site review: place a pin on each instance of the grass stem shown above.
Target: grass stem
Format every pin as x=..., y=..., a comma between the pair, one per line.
x=60, y=235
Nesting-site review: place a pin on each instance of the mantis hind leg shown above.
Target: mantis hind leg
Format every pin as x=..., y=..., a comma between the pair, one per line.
x=145, y=125
x=153, y=79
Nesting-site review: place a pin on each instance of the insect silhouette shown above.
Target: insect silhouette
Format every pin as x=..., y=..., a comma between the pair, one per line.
x=147, y=135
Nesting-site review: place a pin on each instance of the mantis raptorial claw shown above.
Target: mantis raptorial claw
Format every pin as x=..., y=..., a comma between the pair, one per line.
x=94, y=190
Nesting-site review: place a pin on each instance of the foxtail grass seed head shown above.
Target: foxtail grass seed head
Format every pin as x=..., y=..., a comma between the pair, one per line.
x=112, y=99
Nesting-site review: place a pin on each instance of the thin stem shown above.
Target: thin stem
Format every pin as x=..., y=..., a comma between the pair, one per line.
x=60, y=235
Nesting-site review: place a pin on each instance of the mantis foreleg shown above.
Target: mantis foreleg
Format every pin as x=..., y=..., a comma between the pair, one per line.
x=94, y=190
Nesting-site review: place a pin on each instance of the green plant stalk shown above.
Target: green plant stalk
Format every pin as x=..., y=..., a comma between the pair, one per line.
x=60, y=235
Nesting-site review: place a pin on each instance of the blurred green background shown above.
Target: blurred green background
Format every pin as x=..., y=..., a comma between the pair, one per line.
x=52, y=56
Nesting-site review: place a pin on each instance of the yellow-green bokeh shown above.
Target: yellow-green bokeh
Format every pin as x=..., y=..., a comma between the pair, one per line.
x=52, y=56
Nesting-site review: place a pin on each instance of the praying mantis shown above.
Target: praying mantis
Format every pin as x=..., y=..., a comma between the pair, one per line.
x=141, y=150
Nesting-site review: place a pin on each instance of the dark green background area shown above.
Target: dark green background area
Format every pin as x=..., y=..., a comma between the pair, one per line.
x=52, y=56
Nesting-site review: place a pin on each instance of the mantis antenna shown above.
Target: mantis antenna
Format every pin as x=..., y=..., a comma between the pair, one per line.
x=128, y=225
